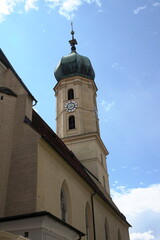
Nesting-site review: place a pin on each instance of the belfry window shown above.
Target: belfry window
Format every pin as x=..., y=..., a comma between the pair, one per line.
x=70, y=94
x=72, y=122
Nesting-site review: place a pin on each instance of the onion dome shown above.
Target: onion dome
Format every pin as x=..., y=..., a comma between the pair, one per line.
x=74, y=64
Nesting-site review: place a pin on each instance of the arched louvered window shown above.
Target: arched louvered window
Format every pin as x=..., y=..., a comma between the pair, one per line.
x=70, y=94
x=71, y=122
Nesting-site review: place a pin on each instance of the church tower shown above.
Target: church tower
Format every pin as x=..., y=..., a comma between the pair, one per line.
x=77, y=119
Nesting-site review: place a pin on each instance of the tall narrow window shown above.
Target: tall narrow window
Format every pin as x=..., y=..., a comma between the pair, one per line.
x=88, y=220
x=63, y=206
x=101, y=159
x=119, y=235
x=70, y=94
x=71, y=122
x=104, y=182
x=65, y=203
x=87, y=226
x=106, y=229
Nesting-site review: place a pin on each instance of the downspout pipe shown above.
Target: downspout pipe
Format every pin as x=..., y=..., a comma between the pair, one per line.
x=93, y=216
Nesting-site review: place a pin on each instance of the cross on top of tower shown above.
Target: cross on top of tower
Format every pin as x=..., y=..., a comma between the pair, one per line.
x=73, y=41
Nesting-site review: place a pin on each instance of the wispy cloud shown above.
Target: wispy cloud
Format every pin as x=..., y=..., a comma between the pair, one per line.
x=107, y=106
x=66, y=8
x=138, y=9
x=124, y=167
x=142, y=209
x=116, y=66
x=156, y=4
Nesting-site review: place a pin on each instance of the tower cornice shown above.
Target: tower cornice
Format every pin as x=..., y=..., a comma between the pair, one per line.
x=75, y=80
x=83, y=137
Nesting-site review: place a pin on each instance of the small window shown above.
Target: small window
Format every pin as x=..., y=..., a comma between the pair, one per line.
x=26, y=234
x=1, y=97
x=71, y=122
x=70, y=94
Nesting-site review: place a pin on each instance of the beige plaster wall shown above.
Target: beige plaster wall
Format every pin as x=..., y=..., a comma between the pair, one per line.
x=52, y=171
x=85, y=96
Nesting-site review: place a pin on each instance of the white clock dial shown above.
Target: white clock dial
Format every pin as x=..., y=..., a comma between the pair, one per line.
x=70, y=106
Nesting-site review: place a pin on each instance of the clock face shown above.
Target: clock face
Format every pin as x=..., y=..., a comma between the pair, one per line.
x=70, y=106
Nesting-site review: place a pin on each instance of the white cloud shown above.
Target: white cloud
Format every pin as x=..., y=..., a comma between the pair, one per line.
x=142, y=236
x=138, y=9
x=107, y=106
x=138, y=200
x=6, y=8
x=31, y=4
x=142, y=209
x=66, y=8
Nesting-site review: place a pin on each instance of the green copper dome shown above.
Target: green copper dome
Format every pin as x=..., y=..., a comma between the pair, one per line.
x=74, y=65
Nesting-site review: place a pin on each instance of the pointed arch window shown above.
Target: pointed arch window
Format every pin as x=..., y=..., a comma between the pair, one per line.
x=65, y=203
x=71, y=122
x=70, y=94
x=87, y=225
x=63, y=206
x=88, y=222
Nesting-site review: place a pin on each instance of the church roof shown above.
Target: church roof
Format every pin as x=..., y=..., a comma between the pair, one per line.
x=40, y=126
x=7, y=64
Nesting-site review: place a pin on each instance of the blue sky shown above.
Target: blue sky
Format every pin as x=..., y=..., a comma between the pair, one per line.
x=121, y=38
